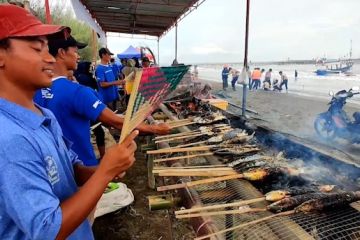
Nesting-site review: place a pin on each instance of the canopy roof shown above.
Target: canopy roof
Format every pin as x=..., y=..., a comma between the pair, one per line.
x=148, y=17
x=130, y=52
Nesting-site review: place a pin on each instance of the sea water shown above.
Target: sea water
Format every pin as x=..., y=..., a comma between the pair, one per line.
x=306, y=84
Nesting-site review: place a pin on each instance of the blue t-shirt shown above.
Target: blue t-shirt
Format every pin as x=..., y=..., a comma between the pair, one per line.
x=36, y=175
x=116, y=70
x=74, y=106
x=104, y=73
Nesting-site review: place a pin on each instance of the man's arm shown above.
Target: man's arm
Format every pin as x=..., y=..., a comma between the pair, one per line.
x=109, y=84
x=76, y=208
x=109, y=118
x=83, y=173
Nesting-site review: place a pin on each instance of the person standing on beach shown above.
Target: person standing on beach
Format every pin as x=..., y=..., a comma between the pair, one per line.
x=284, y=80
x=296, y=75
x=235, y=76
x=255, y=76
x=225, y=74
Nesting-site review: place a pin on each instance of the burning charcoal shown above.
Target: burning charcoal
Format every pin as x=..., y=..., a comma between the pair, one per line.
x=291, y=202
x=331, y=200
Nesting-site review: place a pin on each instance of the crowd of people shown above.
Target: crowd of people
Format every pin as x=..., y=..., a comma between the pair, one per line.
x=257, y=79
x=50, y=179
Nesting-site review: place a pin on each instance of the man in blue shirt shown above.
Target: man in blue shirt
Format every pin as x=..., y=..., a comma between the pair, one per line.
x=39, y=174
x=106, y=79
x=115, y=68
x=75, y=105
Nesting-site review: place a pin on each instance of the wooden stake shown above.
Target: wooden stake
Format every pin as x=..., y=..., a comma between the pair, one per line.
x=233, y=204
x=252, y=210
x=191, y=169
x=203, y=173
x=246, y=224
x=191, y=144
x=172, y=150
x=182, y=157
x=199, y=182
x=178, y=138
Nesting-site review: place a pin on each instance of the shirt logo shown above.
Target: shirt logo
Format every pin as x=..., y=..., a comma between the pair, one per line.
x=52, y=170
x=96, y=104
x=46, y=93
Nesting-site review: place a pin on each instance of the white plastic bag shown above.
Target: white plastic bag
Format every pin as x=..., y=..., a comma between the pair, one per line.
x=114, y=200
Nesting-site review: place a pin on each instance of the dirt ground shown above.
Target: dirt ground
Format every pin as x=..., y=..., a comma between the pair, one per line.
x=136, y=222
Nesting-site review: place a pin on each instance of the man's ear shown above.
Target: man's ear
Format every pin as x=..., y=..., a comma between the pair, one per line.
x=61, y=53
x=2, y=57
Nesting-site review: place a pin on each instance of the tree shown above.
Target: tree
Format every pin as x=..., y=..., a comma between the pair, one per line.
x=61, y=15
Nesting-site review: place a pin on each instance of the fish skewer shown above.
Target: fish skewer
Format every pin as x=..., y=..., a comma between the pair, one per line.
x=182, y=157
x=214, y=129
x=272, y=196
x=328, y=201
x=252, y=175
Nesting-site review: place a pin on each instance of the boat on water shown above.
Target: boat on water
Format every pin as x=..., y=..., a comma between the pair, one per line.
x=335, y=67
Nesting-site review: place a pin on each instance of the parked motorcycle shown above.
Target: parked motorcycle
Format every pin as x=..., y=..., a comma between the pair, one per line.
x=335, y=123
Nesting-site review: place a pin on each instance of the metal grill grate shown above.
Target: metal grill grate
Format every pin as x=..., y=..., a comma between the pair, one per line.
x=330, y=225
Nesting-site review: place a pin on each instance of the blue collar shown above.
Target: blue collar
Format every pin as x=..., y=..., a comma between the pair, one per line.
x=24, y=115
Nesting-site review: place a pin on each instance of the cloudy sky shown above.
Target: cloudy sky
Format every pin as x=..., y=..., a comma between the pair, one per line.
x=279, y=30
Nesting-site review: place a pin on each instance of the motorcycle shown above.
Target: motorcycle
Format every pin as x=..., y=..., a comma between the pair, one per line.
x=334, y=123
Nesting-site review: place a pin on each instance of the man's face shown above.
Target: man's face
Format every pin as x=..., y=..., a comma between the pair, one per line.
x=146, y=64
x=71, y=58
x=106, y=57
x=27, y=63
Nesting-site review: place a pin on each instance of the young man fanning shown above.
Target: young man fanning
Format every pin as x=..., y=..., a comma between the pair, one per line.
x=107, y=80
x=39, y=174
x=75, y=105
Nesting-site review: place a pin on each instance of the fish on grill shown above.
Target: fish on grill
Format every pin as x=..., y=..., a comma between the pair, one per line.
x=291, y=202
x=331, y=200
x=261, y=173
x=277, y=195
x=210, y=119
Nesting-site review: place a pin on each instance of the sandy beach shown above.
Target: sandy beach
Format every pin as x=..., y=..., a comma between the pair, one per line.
x=288, y=113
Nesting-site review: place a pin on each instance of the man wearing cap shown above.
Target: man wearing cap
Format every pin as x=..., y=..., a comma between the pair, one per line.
x=145, y=62
x=39, y=174
x=106, y=79
x=75, y=105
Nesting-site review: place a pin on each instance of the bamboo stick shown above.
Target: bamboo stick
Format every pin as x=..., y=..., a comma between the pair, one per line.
x=233, y=204
x=191, y=144
x=171, y=150
x=182, y=157
x=237, y=211
x=181, y=124
x=199, y=182
x=176, y=135
x=178, y=138
x=178, y=121
x=197, y=174
x=126, y=126
x=246, y=224
x=191, y=169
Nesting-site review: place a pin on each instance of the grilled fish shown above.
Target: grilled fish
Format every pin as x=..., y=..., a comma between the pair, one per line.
x=277, y=195
x=291, y=202
x=329, y=201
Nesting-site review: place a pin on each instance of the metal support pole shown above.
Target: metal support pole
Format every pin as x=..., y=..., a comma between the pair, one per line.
x=176, y=38
x=158, y=51
x=246, y=57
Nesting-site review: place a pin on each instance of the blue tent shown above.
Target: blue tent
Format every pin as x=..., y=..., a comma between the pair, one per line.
x=130, y=52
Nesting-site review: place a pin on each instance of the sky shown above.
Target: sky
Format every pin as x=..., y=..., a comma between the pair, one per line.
x=279, y=30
